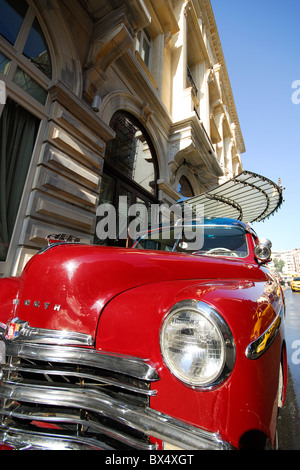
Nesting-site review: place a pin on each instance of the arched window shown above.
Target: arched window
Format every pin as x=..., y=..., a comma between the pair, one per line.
x=25, y=60
x=25, y=74
x=130, y=174
x=130, y=152
x=185, y=187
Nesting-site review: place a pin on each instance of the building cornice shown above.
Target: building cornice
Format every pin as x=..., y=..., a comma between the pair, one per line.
x=214, y=38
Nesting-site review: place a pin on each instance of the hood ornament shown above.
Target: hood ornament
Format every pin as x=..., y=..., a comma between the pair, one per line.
x=62, y=238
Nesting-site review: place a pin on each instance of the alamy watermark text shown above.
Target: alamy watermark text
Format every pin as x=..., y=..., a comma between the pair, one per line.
x=133, y=221
x=296, y=93
x=2, y=92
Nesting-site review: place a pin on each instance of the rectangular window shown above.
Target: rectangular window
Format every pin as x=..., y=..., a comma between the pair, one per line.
x=143, y=46
x=24, y=81
x=18, y=131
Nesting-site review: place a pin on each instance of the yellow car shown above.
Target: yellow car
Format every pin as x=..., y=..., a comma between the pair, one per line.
x=295, y=284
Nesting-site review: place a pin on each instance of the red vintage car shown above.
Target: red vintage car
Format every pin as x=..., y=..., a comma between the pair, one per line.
x=175, y=343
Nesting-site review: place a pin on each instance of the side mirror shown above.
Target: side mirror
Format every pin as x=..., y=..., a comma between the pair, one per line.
x=262, y=251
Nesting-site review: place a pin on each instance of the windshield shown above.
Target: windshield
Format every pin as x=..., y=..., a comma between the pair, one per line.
x=207, y=239
x=296, y=279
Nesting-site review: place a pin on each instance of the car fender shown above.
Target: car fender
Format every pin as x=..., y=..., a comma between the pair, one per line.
x=131, y=324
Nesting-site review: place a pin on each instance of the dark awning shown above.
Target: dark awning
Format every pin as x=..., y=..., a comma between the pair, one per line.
x=248, y=197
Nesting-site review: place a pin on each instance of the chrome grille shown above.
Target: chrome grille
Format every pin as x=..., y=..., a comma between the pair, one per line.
x=72, y=397
x=57, y=396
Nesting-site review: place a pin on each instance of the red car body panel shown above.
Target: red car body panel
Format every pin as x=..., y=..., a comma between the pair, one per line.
x=8, y=291
x=82, y=279
x=121, y=297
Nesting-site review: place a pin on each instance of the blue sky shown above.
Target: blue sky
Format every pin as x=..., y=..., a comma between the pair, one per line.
x=261, y=45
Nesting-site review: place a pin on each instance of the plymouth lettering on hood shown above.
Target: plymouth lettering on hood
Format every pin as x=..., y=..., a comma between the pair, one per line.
x=38, y=304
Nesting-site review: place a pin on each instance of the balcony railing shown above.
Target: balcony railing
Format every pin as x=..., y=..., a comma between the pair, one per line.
x=192, y=81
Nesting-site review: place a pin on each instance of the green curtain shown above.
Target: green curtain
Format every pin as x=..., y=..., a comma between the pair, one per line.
x=18, y=130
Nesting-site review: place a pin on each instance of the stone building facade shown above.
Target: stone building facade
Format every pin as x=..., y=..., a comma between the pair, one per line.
x=106, y=99
x=291, y=260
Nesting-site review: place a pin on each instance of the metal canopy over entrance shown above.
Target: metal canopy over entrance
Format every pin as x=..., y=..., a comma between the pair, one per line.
x=248, y=197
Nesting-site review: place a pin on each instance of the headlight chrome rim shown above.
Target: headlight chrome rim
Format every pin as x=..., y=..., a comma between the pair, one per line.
x=211, y=315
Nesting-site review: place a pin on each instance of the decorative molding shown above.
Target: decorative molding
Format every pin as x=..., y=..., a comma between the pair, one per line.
x=60, y=93
x=164, y=186
x=110, y=50
x=216, y=46
x=113, y=36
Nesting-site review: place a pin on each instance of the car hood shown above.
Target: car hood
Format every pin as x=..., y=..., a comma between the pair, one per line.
x=67, y=286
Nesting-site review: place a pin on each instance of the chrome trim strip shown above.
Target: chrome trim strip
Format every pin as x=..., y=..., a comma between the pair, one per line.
x=127, y=365
x=81, y=374
x=46, y=336
x=148, y=421
x=258, y=347
x=183, y=435
x=66, y=416
x=22, y=440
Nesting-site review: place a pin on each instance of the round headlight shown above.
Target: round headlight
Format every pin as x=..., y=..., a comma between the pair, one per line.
x=197, y=345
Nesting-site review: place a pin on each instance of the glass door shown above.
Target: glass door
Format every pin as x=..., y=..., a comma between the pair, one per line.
x=124, y=211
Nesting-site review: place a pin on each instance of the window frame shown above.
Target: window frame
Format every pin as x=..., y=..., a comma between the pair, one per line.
x=15, y=54
x=143, y=36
